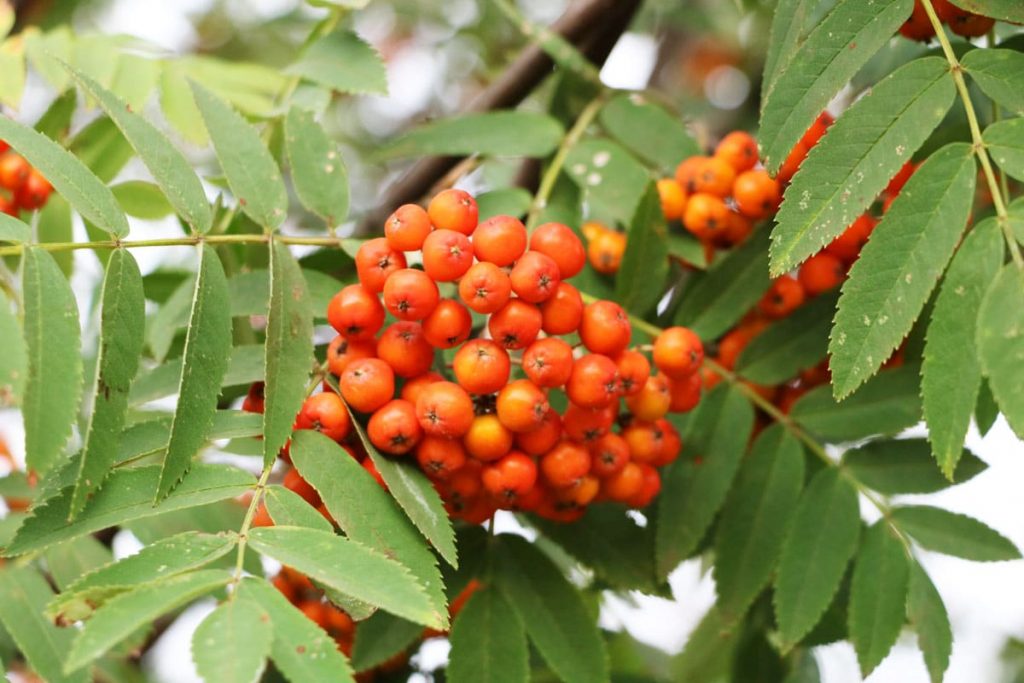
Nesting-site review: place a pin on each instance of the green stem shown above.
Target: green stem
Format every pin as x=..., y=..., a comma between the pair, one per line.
x=250, y=514
x=571, y=139
x=980, y=150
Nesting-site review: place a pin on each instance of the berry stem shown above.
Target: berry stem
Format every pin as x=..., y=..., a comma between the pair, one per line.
x=980, y=151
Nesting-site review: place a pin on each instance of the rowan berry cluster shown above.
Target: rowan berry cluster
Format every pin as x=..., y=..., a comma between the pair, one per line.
x=27, y=189
x=960, y=21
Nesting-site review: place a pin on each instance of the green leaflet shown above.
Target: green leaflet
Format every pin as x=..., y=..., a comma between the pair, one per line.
x=610, y=176
x=820, y=543
x=349, y=567
x=1000, y=339
x=232, y=643
x=789, y=26
x=797, y=342
x=245, y=366
x=204, y=362
x=1006, y=10
x=380, y=638
x=497, y=133
x=249, y=292
x=878, y=595
x=864, y=148
x=692, y=493
x=13, y=230
x=55, y=122
x=125, y=614
x=709, y=653
x=250, y=169
x=488, y=642
x=127, y=496
x=755, y=519
x=171, y=170
x=552, y=610
x=317, y=167
x=363, y=72
x=300, y=649
x=289, y=351
x=886, y=404
x=12, y=73
x=951, y=370
x=134, y=79
x=831, y=55
x=900, y=265
x=953, y=534
x=288, y=508
x=53, y=388
x=1005, y=142
x=640, y=281
x=506, y=201
x=178, y=105
x=141, y=199
x=713, y=303
x=648, y=130
x=69, y=176
x=103, y=149
x=68, y=561
x=14, y=359
x=899, y=466
x=1000, y=74
x=121, y=337
x=365, y=512
x=23, y=593
x=927, y=615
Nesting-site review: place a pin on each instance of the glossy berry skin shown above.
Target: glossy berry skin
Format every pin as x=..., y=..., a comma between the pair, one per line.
x=785, y=295
x=516, y=325
x=413, y=387
x=14, y=171
x=548, y=362
x=453, y=210
x=605, y=328
x=326, y=414
x=608, y=455
x=481, y=366
x=706, y=216
x=535, y=277
x=653, y=401
x=488, y=439
x=634, y=369
x=645, y=440
x=404, y=347
x=594, y=382
x=672, y=196
x=586, y=425
x=559, y=243
x=624, y=484
x=448, y=325
x=757, y=194
x=440, y=458
x=739, y=150
x=684, y=393
x=563, y=312
x=394, y=429
x=341, y=352
x=500, y=240
x=848, y=244
x=510, y=477
x=375, y=262
x=712, y=176
x=543, y=438
x=605, y=250
x=485, y=288
x=407, y=227
x=447, y=255
x=522, y=406
x=678, y=352
x=792, y=164
x=820, y=273
x=356, y=313
x=367, y=384
x=34, y=191
x=565, y=464
x=445, y=409
x=410, y=294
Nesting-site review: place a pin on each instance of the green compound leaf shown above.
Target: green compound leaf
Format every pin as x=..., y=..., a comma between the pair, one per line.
x=900, y=266
x=1000, y=75
x=317, y=167
x=906, y=466
x=69, y=176
x=497, y=133
x=951, y=370
x=927, y=614
x=832, y=54
x=53, y=388
x=611, y=178
x=121, y=340
x=878, y=595
x=820, y=543
x=250, y=169
x=954, y=534
x=640, y=282
x=1000, y=339
x=1005, y=142
x=342, y=61
x=232, y=643
x=755, y=519
x=204, y=362
x=864, y=148
x=648, y=130
x=795, y=343
x=488, y=642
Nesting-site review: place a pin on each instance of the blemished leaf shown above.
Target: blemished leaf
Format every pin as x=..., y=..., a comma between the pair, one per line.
x=950, y=370
x=344, y=62
x=819, y=545
x=1000, y=75
x=250, y=169
x=609, y=176
x=899, y=466
x=232, y=643
x=507, y=201
x=954, y=534
x=121, y=336
x=54, y=384
x=23, y=594
x=497, y=133
x=755, y=519
x=67, y=562
x=245, y=366
x=692, y=493
x=13, y=230
x=552, y=610
x=611, y=543
x=157, y=561
x=885, y=404
x=365, y=512
x=712, y=304
x=641, y=278
x=648, y=130
x=900, y=265
x=178, y=105
x=927, y=614
x=14, y=359
x=1006, y=10
x=301, y=650
x=380, y=638
x=69, y=176
x=488, y=642
x=790, y=23
x=1000, y=339
x=288, y=508
x=797, y=342
x=878, y=595
x=349, y=567
x=171, y=170
x=125, y=614
x=127, y=495
x=141, y=199
x=317, y=167
x=204, y=363
x=834, y=51
x=864, y=148
x=289, y=349
x=1005, y=142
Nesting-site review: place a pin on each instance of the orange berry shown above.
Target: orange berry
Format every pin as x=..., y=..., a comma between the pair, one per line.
x=481, y=366
x=516, y=325
x=448, y=325
x=413, y=387
x=792, y=163
x=645, y=440
x=594, y=382
x=900, y=179
x=820, y=273
x=605, y=251
x=848, y=244
x=684, y=393
x=732, y=344
x=522, y=406
x=634, y=369
x=586, y=425
x=444, y=409
x=367, y=384
x=500, y=240
x=757, y=194
x=605, y=328
x=673, y=198
x=650, y=486
x=34, y=191
x=485, y=288
x=440, y=458
x=405, y=348
x=393, y=428
x=706, y=216
x=785, y=295
x=341, y=352
x=325, y=413
x=560, y=243
x=535, y=277
x=510, y=477
x=453, y=210
x=970, y=25
x=817, y=130
x=652, y=401
x=407, y=227
x=548, y=362
x=713, y=176
x=410, y=294
x=375, y=262
x=447, y=255
x=14, y=171
x=608, y=455
x=678, y=352
x=488, y=439
x=581, y=493
x=355, y=312
x=293, y=481
x=739, y=150
x=543, y=438
x=563, y=312
x=565, y=464
x=592, y=229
